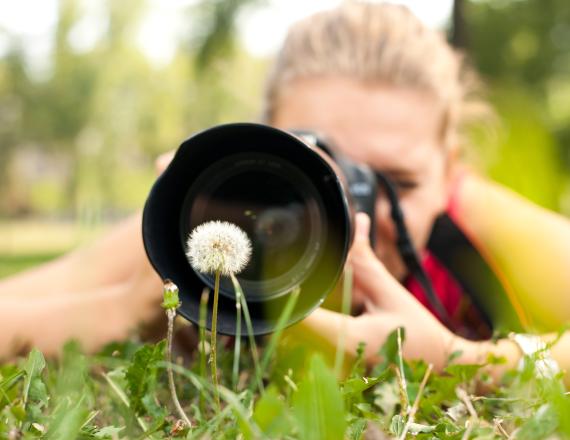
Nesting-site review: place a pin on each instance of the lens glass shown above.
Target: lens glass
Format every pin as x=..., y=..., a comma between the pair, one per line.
x=275, y=204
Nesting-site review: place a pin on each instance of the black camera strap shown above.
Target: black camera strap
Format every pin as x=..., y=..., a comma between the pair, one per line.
x=408, y=252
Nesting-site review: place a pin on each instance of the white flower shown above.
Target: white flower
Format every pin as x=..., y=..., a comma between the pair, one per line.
x=217, y=245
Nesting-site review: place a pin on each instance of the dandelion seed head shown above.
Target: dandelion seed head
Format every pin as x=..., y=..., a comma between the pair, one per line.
x=218, y=245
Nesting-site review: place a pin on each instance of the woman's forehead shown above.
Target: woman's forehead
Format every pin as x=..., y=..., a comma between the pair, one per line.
x=382, y=125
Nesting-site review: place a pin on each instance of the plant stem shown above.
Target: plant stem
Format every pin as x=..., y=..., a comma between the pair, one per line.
x=213, y=346
x=203, y=314
x=171, y=314
x=416, y=405
x=237, y=343
x=249, y=326
x=404, y=384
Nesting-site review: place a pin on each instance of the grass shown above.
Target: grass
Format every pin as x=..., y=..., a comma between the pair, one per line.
x=11, y=264
x=25, y=244
x=123, y=393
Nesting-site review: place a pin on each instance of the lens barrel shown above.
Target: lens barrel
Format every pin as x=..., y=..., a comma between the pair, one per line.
x=288, y=196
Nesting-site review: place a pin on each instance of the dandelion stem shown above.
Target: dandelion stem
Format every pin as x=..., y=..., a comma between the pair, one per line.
x=171, y=314
x=213, y=345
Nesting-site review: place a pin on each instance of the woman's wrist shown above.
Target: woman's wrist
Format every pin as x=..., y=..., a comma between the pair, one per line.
x=481, y=352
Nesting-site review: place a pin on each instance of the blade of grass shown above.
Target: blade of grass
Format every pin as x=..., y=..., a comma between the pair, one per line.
x=205, y=430
x=123, y=398
x=281, y=323
x=345, y=309
x=237, y=343
x=252, y=344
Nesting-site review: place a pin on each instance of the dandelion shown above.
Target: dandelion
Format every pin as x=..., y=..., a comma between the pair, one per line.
x=220, y=248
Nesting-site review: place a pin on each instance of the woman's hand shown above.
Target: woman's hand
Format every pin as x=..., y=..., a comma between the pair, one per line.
x=388, y=305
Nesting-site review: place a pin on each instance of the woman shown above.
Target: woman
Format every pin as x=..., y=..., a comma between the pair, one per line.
x=389, y=93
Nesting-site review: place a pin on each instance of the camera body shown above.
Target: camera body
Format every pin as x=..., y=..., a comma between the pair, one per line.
x=293, y=195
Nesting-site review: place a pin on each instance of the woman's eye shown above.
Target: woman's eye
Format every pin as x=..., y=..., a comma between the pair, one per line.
x=406, y=185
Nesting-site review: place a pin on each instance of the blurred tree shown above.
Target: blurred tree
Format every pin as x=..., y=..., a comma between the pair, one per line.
x=214, y=34
x=106, y=112
x=522, y=48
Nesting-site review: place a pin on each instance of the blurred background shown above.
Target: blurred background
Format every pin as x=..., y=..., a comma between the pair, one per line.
x=91, y=91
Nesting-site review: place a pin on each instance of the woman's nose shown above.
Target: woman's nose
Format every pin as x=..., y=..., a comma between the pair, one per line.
x=385, y=229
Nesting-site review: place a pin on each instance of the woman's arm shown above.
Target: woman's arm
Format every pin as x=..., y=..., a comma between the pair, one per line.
x=112, y=259
x=95, y=294
x=528, y=246
x=93, y=316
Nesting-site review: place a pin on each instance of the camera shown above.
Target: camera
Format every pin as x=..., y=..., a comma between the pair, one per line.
x=292, y=194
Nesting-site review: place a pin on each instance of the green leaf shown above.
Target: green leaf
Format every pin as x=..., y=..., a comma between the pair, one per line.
x=397, y=425
x=33, y=368
x=141, y=374
x=358, y=385
x=318, y=404
x=356, y=429
x=67, y=420
x=271, y=414
x=543, y=423
x=389, y=351
x=358, y=366
x=109, y=432
x=6, y=386
x=465, y=372
x=416, y=428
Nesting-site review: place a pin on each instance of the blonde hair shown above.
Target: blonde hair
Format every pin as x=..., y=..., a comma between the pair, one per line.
x=376, y=42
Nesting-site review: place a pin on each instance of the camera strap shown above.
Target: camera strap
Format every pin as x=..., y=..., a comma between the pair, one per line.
x=408, y=252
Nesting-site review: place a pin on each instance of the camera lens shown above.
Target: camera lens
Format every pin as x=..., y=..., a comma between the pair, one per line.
x=275, y=204
x=283, y=193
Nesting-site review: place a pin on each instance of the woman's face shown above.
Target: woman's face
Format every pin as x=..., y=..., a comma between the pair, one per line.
x=393, y=130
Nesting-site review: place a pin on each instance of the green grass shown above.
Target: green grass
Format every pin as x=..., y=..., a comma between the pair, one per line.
x=122, y=393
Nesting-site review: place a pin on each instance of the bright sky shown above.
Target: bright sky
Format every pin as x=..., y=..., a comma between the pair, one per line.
x=261, y=28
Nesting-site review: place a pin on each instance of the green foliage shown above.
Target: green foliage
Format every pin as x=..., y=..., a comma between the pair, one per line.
x=141, y=376
x=121, y=394
x=521, y=49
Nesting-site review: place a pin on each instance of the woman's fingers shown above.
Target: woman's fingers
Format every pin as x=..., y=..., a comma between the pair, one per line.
x=374, y=285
